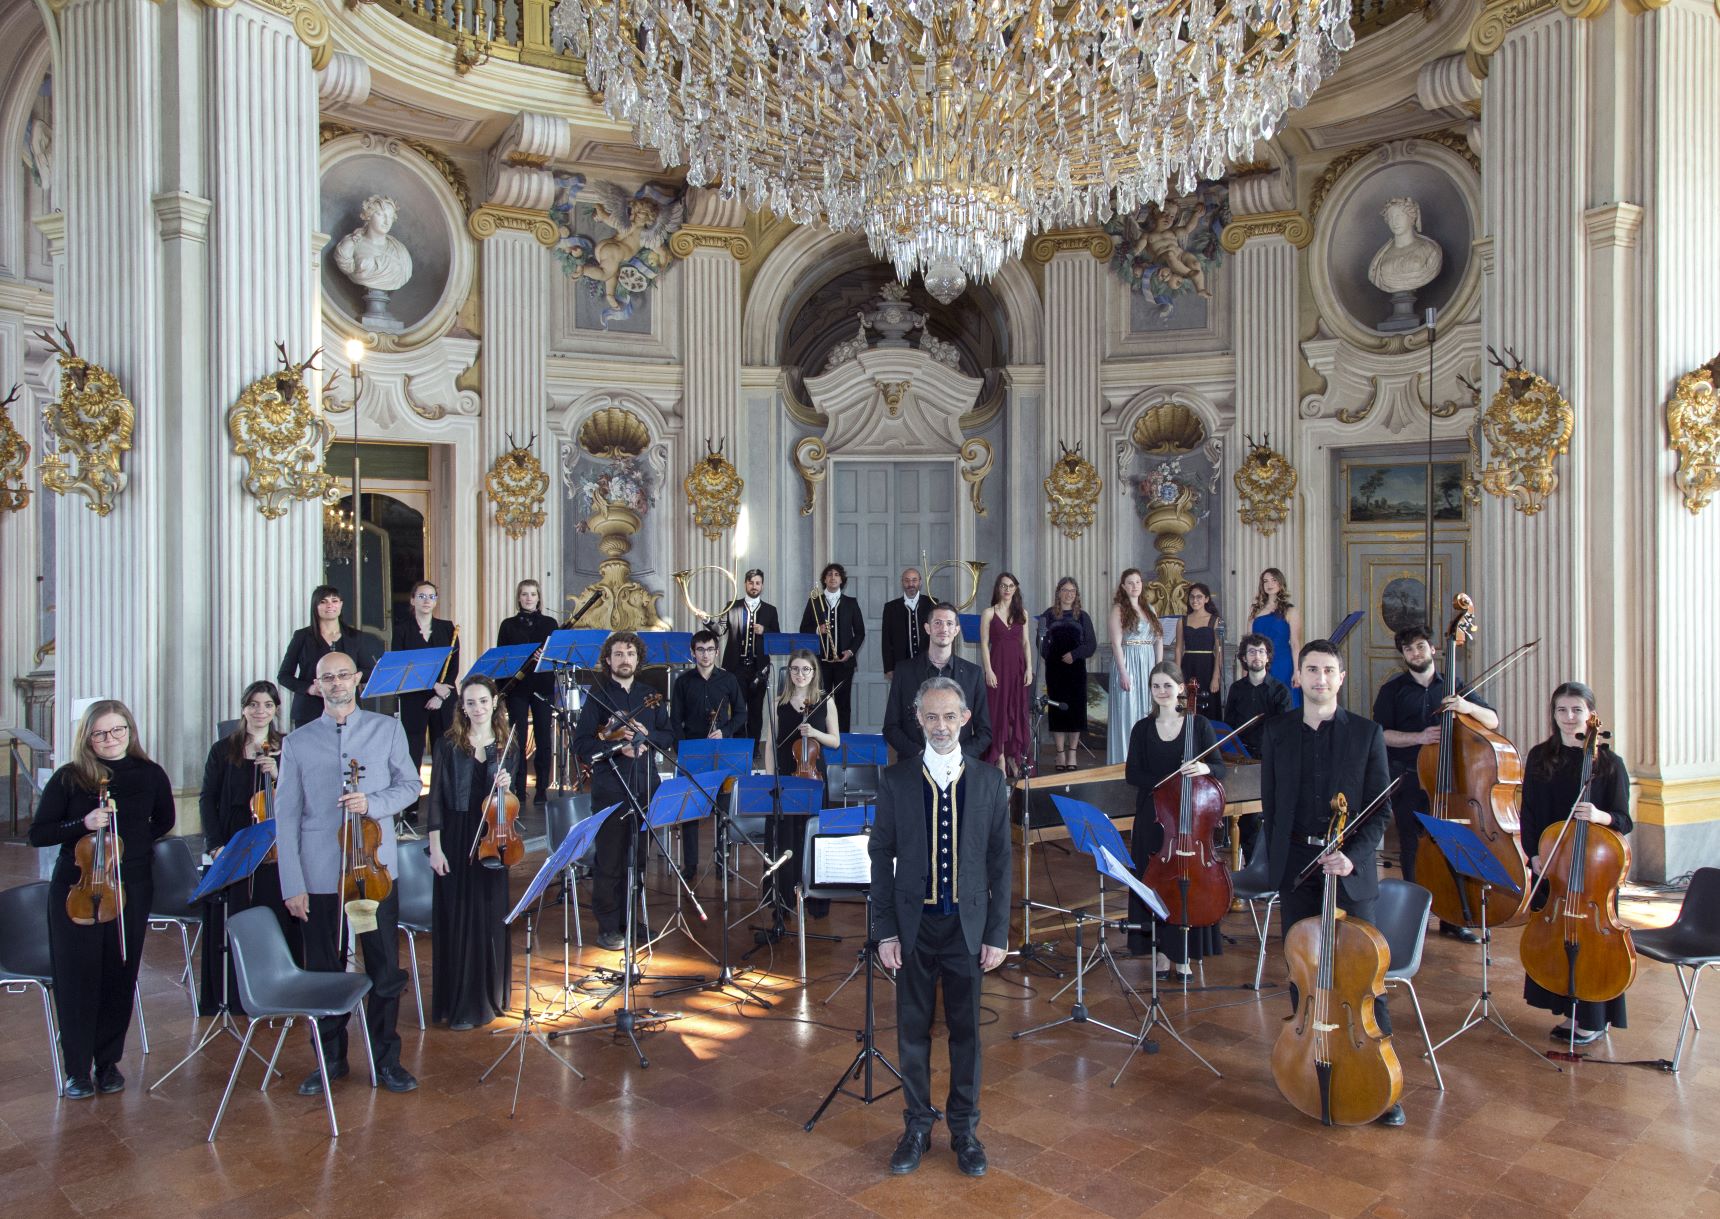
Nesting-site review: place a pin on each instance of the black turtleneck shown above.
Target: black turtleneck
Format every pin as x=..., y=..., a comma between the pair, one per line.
x=142, y=794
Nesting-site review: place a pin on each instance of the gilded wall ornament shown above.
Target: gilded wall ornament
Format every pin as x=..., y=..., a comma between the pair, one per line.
x=713, y=488
x=1266, y=481
x=811, y=459
x=516, y=485
x=1527, y=425
x=92, y=422
x=14, y=459
x=1693, y=430
x=283, y=438
x=979, y=458
x=1072, y=492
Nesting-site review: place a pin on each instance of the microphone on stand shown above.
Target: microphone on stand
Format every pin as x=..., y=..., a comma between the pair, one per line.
x=786, y=856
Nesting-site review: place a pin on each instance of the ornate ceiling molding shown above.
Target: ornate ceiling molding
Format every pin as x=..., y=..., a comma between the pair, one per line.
x=1500, y=17
x=1292, y=226
x=1455, y=140
x=310, y=23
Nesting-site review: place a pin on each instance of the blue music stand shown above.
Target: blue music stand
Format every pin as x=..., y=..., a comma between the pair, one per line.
x=753, y=795
x=578, y=649
x=499, y=664
x=684, y=798
x=406, y=672
x=970, y=627
x=667, y=647
x=1090, y=829
x=1347, y=625
x=1230, y=749
x=861, y=749
x=727, y=757
x=1109, y=865
x=577, y=843
x=243, y=854
x=781, y=643
x=847, y=819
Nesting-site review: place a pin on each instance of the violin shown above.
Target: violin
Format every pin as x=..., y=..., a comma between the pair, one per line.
x=99, y=894
x=1331, y=1061
x=806, y=751
x=620, y=722
x=263, y=798
x=1575, y=945
x=500, y=843
x=362, y=873
x=1474, y=776
x=1187, y=865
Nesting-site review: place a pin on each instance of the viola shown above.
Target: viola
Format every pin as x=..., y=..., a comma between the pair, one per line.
x=1575, y=945
x=1331, y=1061
x=1187, y=868
x=1475, y=776
x=500, y=843
x=99, y=894
x=362, y=873
x=263, y=798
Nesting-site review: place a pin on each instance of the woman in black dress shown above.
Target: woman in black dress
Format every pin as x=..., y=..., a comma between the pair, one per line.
x=1066, y=640
x=1198, y=645
x=471, y=962
x=234, y=772
x=1155, y=751
x=1550, y=780
x=801, y=692
x=93, y=980
x=328, y=632
x=426, y=712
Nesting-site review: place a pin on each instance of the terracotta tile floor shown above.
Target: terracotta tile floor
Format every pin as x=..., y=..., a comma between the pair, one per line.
x=714, y=1126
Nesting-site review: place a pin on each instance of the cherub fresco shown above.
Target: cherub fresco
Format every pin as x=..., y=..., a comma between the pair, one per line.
x=1170, y=250
x=620, y=266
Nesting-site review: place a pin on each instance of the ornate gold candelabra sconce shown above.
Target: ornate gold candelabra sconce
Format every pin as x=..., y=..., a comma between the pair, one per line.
x=713, y=487
x=1693, y=430
x=516, y=484
x=1266, y=481
x=1072, y=492
x=283, y=438
x=92, y=423
x=1527, y=425
x=14, y=459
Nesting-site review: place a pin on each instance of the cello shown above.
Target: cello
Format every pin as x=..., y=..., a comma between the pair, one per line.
x=1187, y=864
x=1574, y=945
x=1331, y=1061
x=99, y=894
x=1475, y=776
x=500, y=843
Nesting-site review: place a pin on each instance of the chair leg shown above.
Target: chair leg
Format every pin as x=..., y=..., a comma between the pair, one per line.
x=280, y=1041
x=1689, y=1013
x=412, y=956
x=142, y=1025
x=1415, y=1000
x=328, y=1085
x=364, y=1036
x=53, y=1040
x=1684, y=984
x=189, y=977
x=800, y=928
x=233, y=1078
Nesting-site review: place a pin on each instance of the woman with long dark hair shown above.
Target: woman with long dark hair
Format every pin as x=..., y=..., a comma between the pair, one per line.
x=1551, y=777
x=1198, y=646
x=328, y=632
x=1008, y=665
x=1275, y=616
x=1137, y=644
x=233, y=773
x=1066, y=640
x=93, y=979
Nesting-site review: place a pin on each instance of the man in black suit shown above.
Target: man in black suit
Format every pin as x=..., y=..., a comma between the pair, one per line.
x=835, y=618
x=1307, y=758
x=940, y=913
x=901, y=723
x=707, y=705
x=746, y=621
x=904, y=634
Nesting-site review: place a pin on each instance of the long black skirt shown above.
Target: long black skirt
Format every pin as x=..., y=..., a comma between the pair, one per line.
x=471, y=960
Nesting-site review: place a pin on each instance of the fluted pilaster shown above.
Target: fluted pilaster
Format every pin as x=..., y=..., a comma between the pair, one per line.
x=711, y=405
x=1074, y=334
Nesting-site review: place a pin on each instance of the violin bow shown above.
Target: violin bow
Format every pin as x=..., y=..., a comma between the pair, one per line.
x=1601, y=739
x=501, y=765
x=1210, y=749
x=1338, y=842
x=1500, y=666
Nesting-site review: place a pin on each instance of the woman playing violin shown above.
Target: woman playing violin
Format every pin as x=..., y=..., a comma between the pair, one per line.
x=1551, y=777
x=233, y=774
x=93, y=979
x=796, y=723
x=471, y=966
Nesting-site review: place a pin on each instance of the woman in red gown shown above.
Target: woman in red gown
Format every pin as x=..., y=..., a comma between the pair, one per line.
x=1008, y=665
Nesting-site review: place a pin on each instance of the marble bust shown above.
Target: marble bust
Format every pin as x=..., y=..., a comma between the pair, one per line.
x=1407, y=262
x=376, y=261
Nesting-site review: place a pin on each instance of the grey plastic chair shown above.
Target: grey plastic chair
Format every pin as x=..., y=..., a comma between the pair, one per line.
x=859, y=783
x=1249, y=884
x=273, y=988
x=809, y=891
x=24, y=959
x=560, y=816
x=175, y=873
x=415, y=883
x=1692, y=942
x=1401, y=916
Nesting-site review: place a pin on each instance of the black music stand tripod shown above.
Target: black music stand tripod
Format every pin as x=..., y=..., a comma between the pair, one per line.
x=866, y=1035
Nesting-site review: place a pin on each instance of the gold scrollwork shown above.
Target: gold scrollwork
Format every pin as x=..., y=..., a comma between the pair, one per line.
x=1527, y=425
x=1266, y=481
x=283, y=438
x=516, y=484
x=980, y=457
x=492, y=218
x=809, y=460
x=713, y=488
x=1693, y=429
x=1096, y=242
x=1072, y=492
x=1293, y=226
x=14, y=458
x=93, y=422
x=893, y=392
x=690, y=237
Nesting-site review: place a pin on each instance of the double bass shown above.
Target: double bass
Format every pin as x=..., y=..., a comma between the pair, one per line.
x=1187, y=868
x=1475, y=776
x=1332, y=1061
x=1575, y=945
x=99, y=894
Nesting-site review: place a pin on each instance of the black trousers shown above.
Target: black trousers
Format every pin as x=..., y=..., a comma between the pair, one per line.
x=939, y=955
x=542, y=715
x=1407, y=801
x=423, y=725
x=1307, y=902
x=753, y=686
x=829, y=673
x=381, y=949
x=93, y=987
x=609, y=863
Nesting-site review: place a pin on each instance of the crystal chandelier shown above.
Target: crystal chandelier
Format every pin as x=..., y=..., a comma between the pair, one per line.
x=947, y=129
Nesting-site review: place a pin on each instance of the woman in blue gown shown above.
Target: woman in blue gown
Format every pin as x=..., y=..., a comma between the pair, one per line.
x=1276, y=617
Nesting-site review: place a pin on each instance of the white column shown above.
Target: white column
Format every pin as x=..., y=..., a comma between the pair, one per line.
x=1074, y=334
x=711, y=406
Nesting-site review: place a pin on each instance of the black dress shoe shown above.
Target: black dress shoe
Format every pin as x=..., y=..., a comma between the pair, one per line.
x=612, y=940
x=313, y=1082
x=79, y=1088
x=970, y=1155
x=1391, y=1117
x=1583, y=1037
x=396, y=1079
x=460, y=1026
x=1462, y=935
x=909, y=1149
x=108, y=1079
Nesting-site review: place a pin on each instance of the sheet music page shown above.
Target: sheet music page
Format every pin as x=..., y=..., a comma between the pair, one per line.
x=841, y=859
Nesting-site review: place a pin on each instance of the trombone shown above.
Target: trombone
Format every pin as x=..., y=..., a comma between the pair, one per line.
x=823, y=615
x=972, y=567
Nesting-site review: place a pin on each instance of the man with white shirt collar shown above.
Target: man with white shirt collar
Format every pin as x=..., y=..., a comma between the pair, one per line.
x=901, y=723
x=904, y=634
x=940, y=913
x=835, y=618
x=746, y=621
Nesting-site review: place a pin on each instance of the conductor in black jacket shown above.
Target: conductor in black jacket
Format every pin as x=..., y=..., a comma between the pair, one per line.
x=940, y=913
x=745, y=622
x=1307, y=758
x=531, y=696
x=835, y=617
x=903, y=634
x=902, y=725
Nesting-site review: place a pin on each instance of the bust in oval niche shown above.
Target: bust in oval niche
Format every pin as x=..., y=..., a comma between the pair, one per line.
x=371, y=257
x=1409, y=261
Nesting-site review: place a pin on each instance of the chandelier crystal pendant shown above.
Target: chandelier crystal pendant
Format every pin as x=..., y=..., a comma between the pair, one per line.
x=949, y=129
